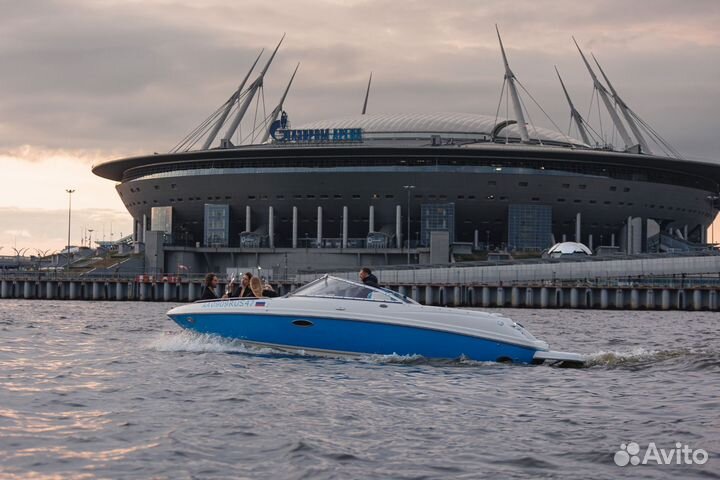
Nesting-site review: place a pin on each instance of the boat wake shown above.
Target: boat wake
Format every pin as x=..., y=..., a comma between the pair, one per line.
x=187, y=341
x=637, y=358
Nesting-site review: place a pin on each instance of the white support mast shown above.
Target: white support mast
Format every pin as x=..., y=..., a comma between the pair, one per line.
x=367, y=94
x=625, y=111
x=252, y=90
x=279, y=107
x=517, y=107
x=574, y=114
x=604, y=94
x=219, y=123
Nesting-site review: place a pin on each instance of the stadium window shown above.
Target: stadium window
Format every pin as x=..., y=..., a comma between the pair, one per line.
x=323, y=196
x=461, y=197
x=561, y=200
x=503, y=198
x=250, y=197
x=155, y=201
x=612, y=189
x=180, y=199
x=227, y=197
x=577, y=201
x=471, y=197
x=492, y=183
x=593, y=201
x=607, y=202
x=621, y=203
x=626, y=189
x=418, y=196
x=535, y=199
x=297, y=196
x=389, y=196
x=337, y=195
x=157, y=187
x=310, y=196
x=375, y=195
x=522, y=184
x=356, y=197
x=263, y=197
x=442, y=197
x=173, y=186
x=582, y=187
x=280, y=197
x=565, y=185
x=172, y=200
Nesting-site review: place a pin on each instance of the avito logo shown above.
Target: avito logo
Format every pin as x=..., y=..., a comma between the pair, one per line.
x=680, y=455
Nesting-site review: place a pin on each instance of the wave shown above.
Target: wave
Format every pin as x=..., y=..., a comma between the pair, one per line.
x=642, y=357
x=186, y=341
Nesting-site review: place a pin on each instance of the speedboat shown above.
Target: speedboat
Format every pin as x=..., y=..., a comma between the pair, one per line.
x=334, y=316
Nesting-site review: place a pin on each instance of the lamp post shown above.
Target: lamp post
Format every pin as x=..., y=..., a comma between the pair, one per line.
x=69, y=192
x=408, y=188
x=90, y=230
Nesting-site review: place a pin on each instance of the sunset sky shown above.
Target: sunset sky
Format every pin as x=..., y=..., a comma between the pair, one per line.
x=87, y=81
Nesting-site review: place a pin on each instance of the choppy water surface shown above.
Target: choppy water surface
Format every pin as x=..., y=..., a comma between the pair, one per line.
x=115, y=390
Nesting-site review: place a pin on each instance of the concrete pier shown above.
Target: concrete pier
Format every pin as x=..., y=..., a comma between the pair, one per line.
x=490, y=295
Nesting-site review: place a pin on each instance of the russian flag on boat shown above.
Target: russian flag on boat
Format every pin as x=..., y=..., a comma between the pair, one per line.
x=259, y=304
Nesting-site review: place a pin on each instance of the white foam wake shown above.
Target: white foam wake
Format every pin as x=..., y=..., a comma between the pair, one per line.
x=186, y=341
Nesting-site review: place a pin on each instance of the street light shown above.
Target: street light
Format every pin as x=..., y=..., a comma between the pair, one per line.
x=408, y=188
x=90, y=230
x=69, y=192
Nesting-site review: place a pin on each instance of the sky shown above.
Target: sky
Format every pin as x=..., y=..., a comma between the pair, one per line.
x=83, y=82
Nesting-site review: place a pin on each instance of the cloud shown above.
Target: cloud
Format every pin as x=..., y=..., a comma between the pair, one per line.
x=136, y=76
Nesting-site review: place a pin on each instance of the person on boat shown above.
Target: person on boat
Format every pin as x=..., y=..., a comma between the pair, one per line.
x=232, y=290
x=244, y=290
x=367, y=277
x=256, y=287
x=211, y=283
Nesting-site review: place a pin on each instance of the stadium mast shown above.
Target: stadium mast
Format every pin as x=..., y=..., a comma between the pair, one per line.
x=604, y=94
x=625, y=111
x=510, y=77
x=219, y=123
x=574, y=114
x=367, y=94
x=252, y=90
x=279, y=107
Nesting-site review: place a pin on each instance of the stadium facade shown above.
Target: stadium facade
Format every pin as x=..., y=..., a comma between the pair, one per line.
x=384, y=188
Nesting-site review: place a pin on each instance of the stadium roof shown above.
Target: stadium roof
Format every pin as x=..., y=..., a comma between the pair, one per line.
x=461, y=126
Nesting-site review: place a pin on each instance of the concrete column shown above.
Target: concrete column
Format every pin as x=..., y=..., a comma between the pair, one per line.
x=403, y=290
x=712, y=300
x=634, y=299
x=371, y=219
x=650, y=299
x=476, y=239
x=643, y=235
x=665, y=300
x=192, y=295
x=294, y=227
x=559, y=298
x=629, y=236
x=144, y=227
x=515, y=297
x=500, y=297
x=457, y=299
x=49, y=290
x=681, y=300
x=574, y=298
x=697, y=299
x=119, y=291
x=590, y=242
x=619, y=299
x=72, y=291
x=578, y=219
x=27, y=290
x=271, y=226
x=345, y=227
x=564, y=238
x=167, y=290
x=415, y=293
x=703, y=234
x=96, y=290
x=529, y=300
x=143, y=287
x=486, y=296
x=612, y=240
x=4, y=289
x=544, y=297
x=604, y=299
x=428, y=295
x=398, y=225
x=135, y=230
x=248, y=218
x=319, y=227
x=685, y=232
x=131, y=295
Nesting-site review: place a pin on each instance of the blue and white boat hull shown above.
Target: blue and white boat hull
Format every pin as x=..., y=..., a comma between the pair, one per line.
x=380, y=323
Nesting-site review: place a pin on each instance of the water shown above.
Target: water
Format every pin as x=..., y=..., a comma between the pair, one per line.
x=114, y=390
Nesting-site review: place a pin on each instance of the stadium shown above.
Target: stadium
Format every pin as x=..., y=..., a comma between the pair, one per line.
x=380, y=189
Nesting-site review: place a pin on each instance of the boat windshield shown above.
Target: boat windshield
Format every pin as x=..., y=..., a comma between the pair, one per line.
x=338, y=288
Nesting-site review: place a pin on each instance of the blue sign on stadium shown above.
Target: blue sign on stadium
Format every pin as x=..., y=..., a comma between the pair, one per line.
x=322, y=135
